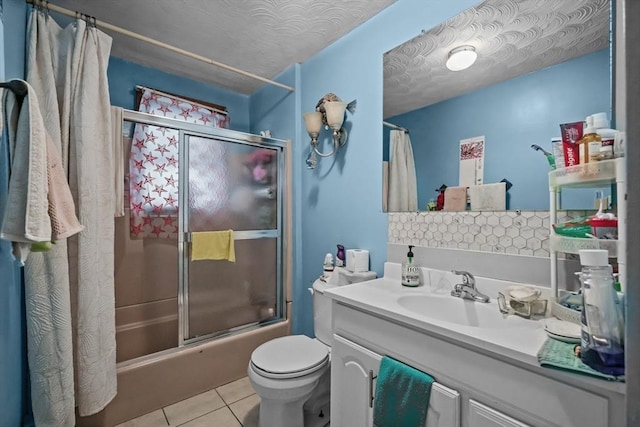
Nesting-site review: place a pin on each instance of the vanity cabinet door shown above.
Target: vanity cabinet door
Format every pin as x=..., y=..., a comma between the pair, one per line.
x=484, y=416
x=353, y=383
x=353, y=369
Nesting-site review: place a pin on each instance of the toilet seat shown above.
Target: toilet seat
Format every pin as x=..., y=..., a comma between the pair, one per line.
x=289, y=357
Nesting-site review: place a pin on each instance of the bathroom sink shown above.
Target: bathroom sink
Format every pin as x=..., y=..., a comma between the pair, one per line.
x=459, y=311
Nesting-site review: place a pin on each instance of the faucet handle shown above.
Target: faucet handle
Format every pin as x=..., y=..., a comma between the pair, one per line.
x=467, y=278
x=457, y=290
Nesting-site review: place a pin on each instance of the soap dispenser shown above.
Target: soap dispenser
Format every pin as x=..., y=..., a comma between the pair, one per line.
x=410, y=271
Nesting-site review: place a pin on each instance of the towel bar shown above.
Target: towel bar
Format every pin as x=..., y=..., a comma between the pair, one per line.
x=243, y=235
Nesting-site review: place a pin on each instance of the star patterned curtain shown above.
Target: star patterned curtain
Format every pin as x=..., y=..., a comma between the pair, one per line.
x=153, y=164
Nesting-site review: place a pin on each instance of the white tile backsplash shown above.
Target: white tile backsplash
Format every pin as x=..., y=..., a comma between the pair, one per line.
x=511, y=232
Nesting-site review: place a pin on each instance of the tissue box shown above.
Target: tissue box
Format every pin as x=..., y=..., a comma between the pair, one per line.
x=357, y=260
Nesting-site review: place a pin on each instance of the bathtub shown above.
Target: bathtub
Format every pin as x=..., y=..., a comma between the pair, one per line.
x=151, y=382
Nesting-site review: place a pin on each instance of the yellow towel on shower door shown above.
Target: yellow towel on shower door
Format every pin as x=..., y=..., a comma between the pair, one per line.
x=213, y=245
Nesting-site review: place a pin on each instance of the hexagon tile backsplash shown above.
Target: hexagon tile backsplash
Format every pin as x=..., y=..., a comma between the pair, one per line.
x=511, y=232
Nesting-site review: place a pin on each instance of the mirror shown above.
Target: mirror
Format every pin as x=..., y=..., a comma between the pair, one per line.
x=539, y=64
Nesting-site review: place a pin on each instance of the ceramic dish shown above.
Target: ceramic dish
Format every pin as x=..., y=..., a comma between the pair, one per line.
x=570, y=340
x=562, y=328
x=523, y=293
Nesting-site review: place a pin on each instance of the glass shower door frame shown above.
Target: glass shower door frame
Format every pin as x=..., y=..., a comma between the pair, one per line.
x=184, y=236
x=186, y=130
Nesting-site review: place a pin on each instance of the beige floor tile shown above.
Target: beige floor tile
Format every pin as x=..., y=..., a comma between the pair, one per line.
x=152, y=419
x=193, y=407
x=236, y=390
x=219, y=418
x=247, y=410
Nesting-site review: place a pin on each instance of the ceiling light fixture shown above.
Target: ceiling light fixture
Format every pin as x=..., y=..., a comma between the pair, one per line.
x=461, y=58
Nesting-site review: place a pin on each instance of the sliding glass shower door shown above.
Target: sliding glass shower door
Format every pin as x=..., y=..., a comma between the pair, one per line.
x=231, y=184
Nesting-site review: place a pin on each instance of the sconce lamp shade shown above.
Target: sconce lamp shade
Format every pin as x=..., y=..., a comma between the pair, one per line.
x=461, y=58
x=335, y=114
x=313, y=122
x=331, y=112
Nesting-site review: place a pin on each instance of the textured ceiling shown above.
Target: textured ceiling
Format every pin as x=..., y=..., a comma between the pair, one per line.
x=263, y=37
x=511, y=37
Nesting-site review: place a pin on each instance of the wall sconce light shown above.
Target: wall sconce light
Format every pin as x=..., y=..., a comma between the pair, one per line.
x=330, y=111
x=461, y=58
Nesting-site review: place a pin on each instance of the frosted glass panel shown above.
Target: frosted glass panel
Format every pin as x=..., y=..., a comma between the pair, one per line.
x=224, y=295
x=231, y=186
x=153, y=182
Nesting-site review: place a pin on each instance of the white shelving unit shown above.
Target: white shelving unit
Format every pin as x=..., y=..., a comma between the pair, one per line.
x=589, y=175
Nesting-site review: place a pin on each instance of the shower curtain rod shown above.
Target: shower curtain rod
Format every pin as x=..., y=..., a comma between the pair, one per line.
x=391, y=125
x=154, y=42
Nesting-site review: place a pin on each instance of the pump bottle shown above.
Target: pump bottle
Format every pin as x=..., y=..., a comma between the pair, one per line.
x=590, y=143
x=410, y=271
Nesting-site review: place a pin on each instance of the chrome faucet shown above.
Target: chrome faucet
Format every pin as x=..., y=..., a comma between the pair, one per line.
x=467, y=289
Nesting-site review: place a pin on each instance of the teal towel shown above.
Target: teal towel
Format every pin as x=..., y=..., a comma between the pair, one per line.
x=560, y=355
x=402, y=395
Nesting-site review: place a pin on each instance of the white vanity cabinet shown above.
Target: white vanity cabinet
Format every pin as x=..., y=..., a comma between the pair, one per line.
x=353, y=382
x=476, y=385
x=483, y=416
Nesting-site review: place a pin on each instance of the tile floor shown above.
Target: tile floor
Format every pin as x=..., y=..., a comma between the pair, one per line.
x=231, y=405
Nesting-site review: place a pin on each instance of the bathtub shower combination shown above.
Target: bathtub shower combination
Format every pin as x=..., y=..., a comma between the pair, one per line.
x=182, y=326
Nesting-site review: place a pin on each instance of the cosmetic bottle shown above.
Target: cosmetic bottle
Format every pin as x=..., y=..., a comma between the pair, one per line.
x=340, y=257
x=590, y=143
x=607, y=135
x=410, y=271
x=602, y=320
x=327, y=266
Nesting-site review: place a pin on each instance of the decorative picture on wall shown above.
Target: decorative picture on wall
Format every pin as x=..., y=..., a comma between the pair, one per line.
x=471, y=161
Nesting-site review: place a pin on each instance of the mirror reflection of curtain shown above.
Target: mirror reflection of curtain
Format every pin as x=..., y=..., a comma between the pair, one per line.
x=153, y=180
x=402, y=191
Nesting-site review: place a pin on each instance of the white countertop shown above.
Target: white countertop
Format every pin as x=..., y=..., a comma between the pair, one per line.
x=517, y=339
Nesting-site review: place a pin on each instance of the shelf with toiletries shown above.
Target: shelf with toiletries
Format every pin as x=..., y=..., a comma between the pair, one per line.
x=572, y=245
x=587, y=175
x=595, y=174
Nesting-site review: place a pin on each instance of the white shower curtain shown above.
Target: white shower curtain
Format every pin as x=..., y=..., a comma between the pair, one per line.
x=71, y=287
x=403, y=191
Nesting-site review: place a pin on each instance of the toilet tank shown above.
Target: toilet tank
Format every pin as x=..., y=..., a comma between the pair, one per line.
x=322, y=313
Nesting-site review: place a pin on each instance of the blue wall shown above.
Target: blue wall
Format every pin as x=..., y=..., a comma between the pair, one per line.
x=276, y=109
x=272, y=108
x=341, y=200
x=124, y=76
x=511, y=115
x=13, y=363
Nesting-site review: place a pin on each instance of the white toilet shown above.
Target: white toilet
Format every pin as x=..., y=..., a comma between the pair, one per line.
x=291, y=374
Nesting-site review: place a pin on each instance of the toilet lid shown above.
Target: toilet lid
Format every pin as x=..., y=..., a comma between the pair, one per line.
x=290, y=356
